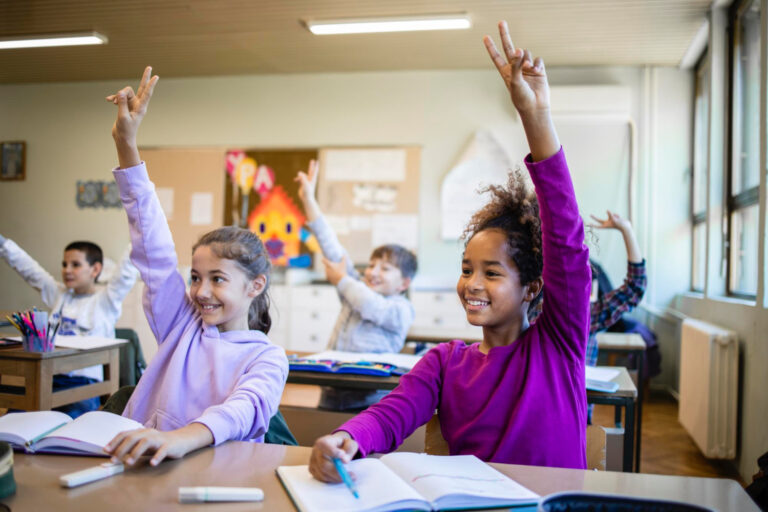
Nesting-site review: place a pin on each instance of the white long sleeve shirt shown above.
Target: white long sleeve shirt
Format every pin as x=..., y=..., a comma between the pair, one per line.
x=93, y=314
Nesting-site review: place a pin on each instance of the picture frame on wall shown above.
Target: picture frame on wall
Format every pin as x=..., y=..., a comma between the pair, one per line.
x=13, y=157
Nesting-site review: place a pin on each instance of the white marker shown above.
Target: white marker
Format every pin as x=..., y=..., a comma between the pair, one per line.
x=90, y=475
x=200, y=494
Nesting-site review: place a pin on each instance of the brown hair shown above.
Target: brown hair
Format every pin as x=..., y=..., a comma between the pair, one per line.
x=247, y=250
x=399, y=256
x=514, y=210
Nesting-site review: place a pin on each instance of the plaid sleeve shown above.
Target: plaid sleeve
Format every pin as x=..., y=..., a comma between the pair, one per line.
x=609, y=308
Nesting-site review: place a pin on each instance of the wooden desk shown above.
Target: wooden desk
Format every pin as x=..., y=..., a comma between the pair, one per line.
x=38, y=368
x=251, y=464
x=626, y=344
x=624, y=398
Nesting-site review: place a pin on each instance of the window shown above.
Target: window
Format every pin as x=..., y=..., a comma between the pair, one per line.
x=700, y=173
x=744, y=170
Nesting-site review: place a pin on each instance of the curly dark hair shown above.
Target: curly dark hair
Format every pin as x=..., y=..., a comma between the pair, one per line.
x=514, y=210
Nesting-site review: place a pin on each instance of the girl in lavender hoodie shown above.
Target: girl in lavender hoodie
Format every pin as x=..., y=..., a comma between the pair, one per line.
x=519, y=396
x=216, y=376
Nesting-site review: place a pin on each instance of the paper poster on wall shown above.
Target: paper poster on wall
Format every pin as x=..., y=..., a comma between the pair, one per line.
x=395, y=229
x=201, y=209
x=382, y=165
x=165, y=195
x=359, y=222
x=339, y=224
x=375, y=197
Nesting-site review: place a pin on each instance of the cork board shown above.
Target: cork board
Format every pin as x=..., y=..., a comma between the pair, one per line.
x=190, y=184
x=370, y=195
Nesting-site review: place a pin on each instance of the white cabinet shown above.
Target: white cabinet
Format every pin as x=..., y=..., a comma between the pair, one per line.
x=439, y=314
x=303, y=316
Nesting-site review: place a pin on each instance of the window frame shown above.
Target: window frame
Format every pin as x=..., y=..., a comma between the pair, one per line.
x=747, y=197
x=701, y=75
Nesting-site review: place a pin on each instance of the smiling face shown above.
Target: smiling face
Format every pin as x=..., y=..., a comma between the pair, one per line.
x=489, y=286
x=221, y=290
x=77, y=273
x=385, y=277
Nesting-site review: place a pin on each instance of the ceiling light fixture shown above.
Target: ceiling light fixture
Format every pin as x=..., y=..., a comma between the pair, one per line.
x=389, y=24
x=41, y=41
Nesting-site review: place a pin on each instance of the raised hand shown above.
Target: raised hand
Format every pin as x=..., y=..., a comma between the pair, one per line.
x=131, y=108
x=307, y=182
x=612, y=221
x=524, y=77
x=526, y=81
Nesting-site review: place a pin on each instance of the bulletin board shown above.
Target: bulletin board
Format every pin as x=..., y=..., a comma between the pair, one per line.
x=190, y=185
x=370, y=196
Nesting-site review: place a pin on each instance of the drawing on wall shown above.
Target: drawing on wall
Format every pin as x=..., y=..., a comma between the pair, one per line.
x=97, y=194
x=263, y=198
x=12, y=160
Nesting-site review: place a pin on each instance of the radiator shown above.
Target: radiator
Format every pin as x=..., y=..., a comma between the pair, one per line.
x=709, y=376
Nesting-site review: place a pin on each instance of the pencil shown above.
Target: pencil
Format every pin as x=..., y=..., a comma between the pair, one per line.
x=345, y=477
x=35, y=439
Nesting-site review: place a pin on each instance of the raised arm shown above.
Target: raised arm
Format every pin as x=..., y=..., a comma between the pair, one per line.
x=123, y=279
x=153, y=252
x=30, y=270
x=326, y=238
x=610, y=306
x=566, y=273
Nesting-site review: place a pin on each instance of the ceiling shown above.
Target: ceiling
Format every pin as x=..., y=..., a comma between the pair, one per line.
x=232, y=37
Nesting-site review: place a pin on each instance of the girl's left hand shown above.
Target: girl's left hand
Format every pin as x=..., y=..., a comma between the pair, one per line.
x=335, y=270
x=128, y=446
x=613, y=221
x=525, y=77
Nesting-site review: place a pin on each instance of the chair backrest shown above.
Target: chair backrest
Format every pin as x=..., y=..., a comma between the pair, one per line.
x=132, y=362
x=435, y=444
x=596, y=441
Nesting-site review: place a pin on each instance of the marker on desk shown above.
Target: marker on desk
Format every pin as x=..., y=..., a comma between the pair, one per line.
x=345, y=477
x=85, y=476
x=202, y=494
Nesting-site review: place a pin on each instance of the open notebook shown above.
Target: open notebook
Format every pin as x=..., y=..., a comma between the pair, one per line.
x=56, y=432
x=408, y=481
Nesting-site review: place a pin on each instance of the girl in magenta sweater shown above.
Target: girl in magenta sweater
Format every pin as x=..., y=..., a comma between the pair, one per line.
x=518, y=396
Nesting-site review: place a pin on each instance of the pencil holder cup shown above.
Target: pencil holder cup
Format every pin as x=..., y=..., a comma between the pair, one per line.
x=34, y=343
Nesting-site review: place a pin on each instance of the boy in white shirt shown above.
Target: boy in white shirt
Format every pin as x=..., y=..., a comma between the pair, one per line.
x=78, y=304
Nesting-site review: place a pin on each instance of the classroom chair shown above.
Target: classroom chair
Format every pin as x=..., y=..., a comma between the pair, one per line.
x=132, y=364
x=435, y=444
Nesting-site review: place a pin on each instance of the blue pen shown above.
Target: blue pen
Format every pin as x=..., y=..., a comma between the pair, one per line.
x=345, y=477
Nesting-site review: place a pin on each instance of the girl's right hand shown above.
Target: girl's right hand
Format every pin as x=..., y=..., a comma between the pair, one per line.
x=525, y=77
x=131, y=107
x=339, y=445
x=307, y=182
x=613, y=221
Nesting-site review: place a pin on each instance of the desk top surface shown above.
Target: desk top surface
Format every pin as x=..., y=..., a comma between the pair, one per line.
x=17, y=352
x=240, y=464
x=619, y=341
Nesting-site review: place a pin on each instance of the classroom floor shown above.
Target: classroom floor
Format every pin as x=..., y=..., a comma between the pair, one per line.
x=666, y=447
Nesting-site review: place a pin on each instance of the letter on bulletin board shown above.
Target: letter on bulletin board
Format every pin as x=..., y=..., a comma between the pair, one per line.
x=371, y=197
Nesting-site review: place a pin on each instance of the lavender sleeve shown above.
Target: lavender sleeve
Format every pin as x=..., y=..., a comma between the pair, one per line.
x=246, y=412
x=384, y=426
x=152, y=251
x=567, y=276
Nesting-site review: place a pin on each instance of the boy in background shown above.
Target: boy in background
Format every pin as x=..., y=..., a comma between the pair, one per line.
x=79, y=304
x=375, y=313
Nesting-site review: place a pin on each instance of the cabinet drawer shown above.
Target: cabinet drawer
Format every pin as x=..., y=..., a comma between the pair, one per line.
x=453, y=320
x=315, y=297
x=310, y=333
x=436, y=302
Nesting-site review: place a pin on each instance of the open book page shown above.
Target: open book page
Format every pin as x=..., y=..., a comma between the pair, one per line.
x=407, y=361
x=379, y=489
x=88, y=433
x=19, y=427
x=457, y=481
x=601, y=374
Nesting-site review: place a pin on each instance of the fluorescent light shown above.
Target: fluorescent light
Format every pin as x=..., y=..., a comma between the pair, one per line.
x=389, y=24
x=40, y=41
